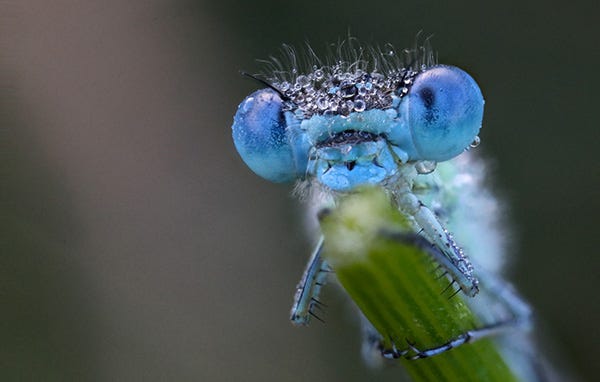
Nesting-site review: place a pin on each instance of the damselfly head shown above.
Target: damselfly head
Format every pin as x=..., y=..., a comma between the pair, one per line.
x=356, y=121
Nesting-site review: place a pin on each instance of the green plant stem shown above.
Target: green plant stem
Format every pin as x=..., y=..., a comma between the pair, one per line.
x=395, y=285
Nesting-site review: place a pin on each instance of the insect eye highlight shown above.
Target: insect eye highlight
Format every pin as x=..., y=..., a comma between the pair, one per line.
x=444, y=110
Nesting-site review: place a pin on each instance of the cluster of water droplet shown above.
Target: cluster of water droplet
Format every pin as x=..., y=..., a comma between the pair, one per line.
x=462, y=261
x=333, y=91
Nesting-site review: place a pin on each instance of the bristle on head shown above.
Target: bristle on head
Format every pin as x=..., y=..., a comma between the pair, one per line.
x=353, y=78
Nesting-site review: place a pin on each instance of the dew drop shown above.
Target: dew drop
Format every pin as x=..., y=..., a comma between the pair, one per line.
x=347, y=91
x=284, y=86
x=303, y=81
x=333, y=106
x=322, y=103
x=344, y=110
x=425, y=166
x=476, y=141
x=359, y=105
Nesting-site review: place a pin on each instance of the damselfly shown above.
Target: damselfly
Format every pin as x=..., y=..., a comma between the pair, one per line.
x=405, y=124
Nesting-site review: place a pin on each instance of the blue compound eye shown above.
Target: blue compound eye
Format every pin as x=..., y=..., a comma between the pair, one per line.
x=444, y=111
x=260, y=136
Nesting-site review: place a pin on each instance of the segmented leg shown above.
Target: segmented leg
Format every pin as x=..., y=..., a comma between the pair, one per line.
x=456, y=262
x=309, y=287
x=497, y=296
x=372, y=345
x=413, y=353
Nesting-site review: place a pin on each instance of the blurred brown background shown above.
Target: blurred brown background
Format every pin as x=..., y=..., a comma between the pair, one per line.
x=137, y=246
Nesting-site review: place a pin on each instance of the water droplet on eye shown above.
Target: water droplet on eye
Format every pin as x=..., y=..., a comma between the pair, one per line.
x=425, y=166
x=475, y=142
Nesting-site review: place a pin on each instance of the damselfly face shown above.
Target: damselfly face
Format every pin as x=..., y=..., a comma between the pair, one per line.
x=347, y=128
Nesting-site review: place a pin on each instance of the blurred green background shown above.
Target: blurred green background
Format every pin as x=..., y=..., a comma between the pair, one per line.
x=137, y=245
